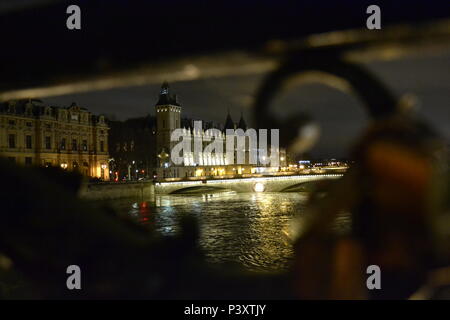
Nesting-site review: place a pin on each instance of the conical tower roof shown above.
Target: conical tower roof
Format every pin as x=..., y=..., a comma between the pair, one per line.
x=242, y=124
x=229, y=124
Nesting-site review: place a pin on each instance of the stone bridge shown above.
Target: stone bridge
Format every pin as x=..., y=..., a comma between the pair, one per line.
x=258, y=184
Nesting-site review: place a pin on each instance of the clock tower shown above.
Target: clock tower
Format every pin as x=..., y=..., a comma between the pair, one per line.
x=168, y=118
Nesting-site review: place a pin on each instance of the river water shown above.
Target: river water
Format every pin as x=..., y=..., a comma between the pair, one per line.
x=253, y=230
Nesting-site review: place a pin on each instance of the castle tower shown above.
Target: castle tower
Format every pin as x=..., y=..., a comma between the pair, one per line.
x=229, y=124
x=168, y=112
x=242, y=124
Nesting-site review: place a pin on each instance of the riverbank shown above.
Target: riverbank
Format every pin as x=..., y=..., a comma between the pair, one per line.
x=117, y=190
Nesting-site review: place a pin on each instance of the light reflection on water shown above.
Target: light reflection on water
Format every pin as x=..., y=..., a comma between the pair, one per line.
x=252, y=229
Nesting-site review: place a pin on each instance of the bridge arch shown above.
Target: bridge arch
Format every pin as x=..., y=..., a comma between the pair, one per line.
x=302, y=186
x=267, y=184
x=196, y=189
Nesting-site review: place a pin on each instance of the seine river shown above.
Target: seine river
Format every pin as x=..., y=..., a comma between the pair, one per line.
x=251, y=229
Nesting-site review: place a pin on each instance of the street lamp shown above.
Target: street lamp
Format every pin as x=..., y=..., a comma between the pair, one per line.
x=64, y=165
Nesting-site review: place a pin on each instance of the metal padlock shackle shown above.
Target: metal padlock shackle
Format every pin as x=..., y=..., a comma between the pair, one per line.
x=378, y=99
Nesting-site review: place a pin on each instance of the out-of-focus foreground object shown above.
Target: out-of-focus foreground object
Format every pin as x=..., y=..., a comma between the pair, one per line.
x=397, y=197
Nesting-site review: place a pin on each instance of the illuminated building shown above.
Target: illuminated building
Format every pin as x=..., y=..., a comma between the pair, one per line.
x=202, y=164
x=72, y=138
x=168, y=118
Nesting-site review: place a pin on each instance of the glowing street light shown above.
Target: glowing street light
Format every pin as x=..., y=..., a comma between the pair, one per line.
x=259, y=187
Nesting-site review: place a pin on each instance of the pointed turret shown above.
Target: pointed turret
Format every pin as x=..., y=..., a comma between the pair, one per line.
x=242, y=124
x=229, y=124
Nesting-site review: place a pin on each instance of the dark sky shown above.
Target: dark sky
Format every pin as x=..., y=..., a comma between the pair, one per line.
x=121, y=33
x=341, y=116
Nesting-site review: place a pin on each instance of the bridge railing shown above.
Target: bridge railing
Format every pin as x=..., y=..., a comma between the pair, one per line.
x=244, y=178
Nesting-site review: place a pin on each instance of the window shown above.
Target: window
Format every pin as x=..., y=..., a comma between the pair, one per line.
x=11, y=122
x=28, y=142
x=164, y=124
x=48, y=143
x=85, y=145
x=12, y=140
x=29, y=124
x=102, y=146
x=28, y=161
x=63, y=144
x=74, y=144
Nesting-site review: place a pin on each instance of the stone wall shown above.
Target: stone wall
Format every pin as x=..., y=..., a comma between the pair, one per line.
x=114, y=190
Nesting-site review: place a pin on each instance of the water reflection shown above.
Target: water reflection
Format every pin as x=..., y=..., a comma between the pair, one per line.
x=141, y=212
x=252, y=229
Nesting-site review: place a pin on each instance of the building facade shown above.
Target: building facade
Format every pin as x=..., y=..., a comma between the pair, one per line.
x=168, y=118
x=132, y=148
x=72, y=138
x=204, y=163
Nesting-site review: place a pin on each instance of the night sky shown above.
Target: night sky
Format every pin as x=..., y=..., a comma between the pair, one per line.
x=122, y=32
x=341, y=116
